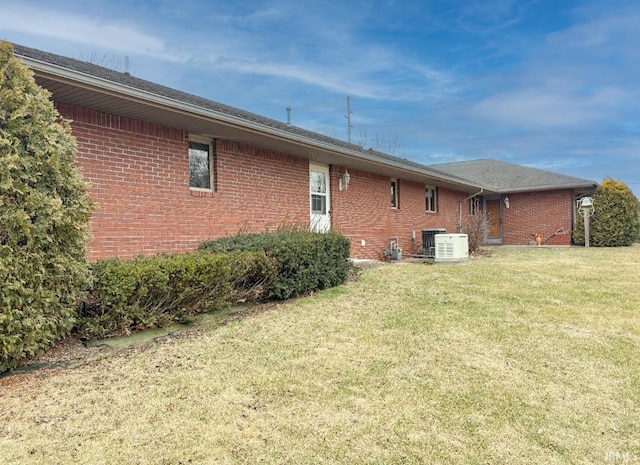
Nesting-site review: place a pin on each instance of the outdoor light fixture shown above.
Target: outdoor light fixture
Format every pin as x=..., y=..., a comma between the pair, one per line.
x=586, y=202
x=343, y=183
x=585, y=206
x=506, y=201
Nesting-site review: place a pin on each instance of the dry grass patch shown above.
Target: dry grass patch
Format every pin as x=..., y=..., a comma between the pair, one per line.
x=529, y=356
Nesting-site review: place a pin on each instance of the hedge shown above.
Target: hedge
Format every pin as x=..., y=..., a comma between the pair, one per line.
x=151, y=292
x=305, y=261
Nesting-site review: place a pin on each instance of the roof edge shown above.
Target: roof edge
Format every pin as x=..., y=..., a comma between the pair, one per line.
x=77, y=77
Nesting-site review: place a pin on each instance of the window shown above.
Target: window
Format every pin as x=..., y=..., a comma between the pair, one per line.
x=394, y=193
x=318, y=189
x=431, y=194
x=200, y=166
x=473, y=205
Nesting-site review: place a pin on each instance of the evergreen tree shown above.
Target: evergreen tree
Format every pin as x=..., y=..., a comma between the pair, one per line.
x=615, y=221
x=44, y=217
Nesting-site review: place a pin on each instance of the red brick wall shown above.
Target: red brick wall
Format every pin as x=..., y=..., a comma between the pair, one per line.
x=363, y=212
x=534, y=212
x=360, y=212
x=538, y=212
x=139, y=174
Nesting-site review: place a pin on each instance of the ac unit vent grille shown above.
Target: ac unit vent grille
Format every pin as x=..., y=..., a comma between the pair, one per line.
x=445, y=250
x=429, y=241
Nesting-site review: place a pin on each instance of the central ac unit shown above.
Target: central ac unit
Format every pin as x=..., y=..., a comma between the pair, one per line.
x=429, y=241
x=451, y=248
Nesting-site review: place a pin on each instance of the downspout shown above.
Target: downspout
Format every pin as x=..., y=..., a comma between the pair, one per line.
x=460, y=207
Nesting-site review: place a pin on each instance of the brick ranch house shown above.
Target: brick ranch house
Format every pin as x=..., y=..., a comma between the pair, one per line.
x=517, y=202
x=169, y=170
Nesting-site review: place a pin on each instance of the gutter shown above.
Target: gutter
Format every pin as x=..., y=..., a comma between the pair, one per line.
x=89, y=81
x=590, y=185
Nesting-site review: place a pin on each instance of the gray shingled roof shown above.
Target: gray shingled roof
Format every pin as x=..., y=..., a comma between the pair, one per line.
x=130, y=81
x=501, y=177
x=489, y=174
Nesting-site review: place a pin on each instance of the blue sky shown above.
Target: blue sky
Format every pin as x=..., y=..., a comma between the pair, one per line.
x=549, y=84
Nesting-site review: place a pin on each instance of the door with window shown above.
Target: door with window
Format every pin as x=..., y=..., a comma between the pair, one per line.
x=493, y=219
x=320, y=201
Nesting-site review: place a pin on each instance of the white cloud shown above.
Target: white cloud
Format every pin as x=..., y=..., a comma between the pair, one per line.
x=346, y=80
x=317, y=53
x=544, y=107
x=482, y=17
x=83, y=29
x=604, y=33
x=378, y=75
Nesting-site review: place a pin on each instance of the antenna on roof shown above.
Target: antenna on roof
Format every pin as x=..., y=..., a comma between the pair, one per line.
x=126, y=64
x=348, y=116
x=288, y=116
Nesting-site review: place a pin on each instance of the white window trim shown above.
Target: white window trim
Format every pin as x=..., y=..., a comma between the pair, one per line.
x=396, y=198
x=474, y=206
x=209, y=142
x=435, y=198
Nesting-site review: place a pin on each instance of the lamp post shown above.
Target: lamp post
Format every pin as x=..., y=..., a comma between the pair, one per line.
x=586, y=206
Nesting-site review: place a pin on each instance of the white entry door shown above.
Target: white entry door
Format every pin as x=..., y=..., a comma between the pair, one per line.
x=319, y=197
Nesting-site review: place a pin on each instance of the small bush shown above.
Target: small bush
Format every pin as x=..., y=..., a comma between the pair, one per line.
x=151, y=292
x=475, y=229
x=44, y=218
x=305, y=261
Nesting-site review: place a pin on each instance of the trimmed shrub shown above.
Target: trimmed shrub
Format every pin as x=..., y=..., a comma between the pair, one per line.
x=615, y=221
x=305, y=261
x=152, y=292
x=44, y=218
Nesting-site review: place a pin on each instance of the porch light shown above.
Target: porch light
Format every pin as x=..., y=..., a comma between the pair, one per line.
x=585, y=206
x=343, y=183
x=586, y=202
x=506, y=201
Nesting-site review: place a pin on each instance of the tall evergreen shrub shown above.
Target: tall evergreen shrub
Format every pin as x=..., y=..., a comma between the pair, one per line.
x=44, y=216
x=615, y=221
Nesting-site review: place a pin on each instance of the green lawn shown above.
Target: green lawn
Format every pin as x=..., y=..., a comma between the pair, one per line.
x=527, y=356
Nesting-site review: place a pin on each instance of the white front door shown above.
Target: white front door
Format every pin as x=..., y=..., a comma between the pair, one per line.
x=319, y=197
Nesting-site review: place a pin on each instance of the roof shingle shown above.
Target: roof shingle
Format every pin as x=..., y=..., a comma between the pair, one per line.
x=489, y=174
x=127, y=80
x=502, y=177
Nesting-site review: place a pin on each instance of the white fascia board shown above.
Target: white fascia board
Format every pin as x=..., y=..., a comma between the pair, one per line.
x=117, y=89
